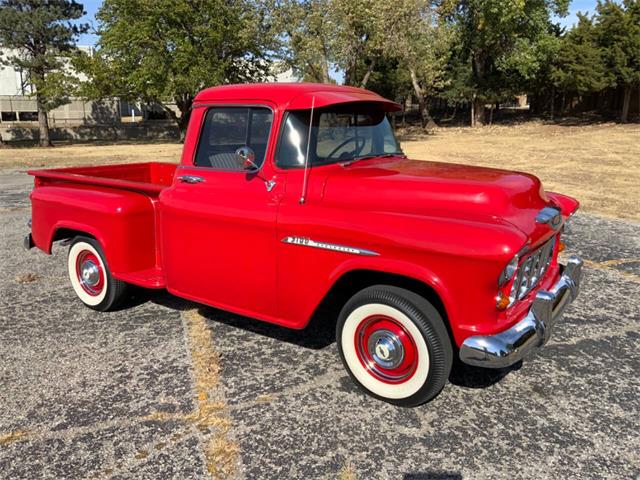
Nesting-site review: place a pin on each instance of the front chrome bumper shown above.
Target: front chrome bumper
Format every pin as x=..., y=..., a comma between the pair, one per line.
x=530, y=333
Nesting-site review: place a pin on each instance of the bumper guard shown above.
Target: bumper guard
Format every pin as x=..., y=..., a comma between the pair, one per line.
x=533, y=331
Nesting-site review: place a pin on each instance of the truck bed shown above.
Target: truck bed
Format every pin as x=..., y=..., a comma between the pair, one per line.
x=149, y=177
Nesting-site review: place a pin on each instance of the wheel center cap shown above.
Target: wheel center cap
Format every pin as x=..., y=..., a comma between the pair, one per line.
x=386, y=349
x=382, y=351
x=90, y=273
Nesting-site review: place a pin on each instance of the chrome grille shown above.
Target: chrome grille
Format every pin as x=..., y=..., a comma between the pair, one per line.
x=531, y=270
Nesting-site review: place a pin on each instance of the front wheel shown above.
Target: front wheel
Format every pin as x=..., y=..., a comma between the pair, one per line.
x=90, y=276
x=394, y=344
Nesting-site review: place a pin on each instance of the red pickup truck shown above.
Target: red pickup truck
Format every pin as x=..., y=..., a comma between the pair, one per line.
x=289, y=196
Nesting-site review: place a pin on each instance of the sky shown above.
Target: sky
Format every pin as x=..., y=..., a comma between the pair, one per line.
x=92, y=6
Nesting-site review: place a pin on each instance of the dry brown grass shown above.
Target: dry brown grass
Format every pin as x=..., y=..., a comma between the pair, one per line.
x=598, y=164
x=348, y=472
x=210, y=417
x=27, y=277
x=12, y=437
x=69, y=155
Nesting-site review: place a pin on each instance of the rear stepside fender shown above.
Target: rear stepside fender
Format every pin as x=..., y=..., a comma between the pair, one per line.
x=122, y=221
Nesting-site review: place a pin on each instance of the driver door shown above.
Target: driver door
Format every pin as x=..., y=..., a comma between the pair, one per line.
x=219, y=221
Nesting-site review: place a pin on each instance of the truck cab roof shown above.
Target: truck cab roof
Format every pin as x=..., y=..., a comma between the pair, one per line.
x=293, y=96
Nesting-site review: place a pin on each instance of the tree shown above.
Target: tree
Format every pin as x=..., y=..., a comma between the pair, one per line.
x=617, y=30
x=579, y=68
x=41, y=34
x=306, y=33
x=420, y=43
x=359, y=39
x=498, y=43
x=165, y=51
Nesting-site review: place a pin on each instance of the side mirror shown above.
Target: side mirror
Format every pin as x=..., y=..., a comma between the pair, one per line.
x=245, y=158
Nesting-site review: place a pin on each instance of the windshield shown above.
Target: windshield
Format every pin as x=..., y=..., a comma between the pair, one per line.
x=340, y=133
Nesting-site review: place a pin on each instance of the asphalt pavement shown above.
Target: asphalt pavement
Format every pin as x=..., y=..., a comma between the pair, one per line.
x=108, y=395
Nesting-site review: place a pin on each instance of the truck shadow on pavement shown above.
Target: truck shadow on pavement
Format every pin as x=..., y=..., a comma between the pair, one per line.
x=318, y=335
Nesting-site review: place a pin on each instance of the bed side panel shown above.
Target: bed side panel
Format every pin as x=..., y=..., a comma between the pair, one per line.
x=122, y=221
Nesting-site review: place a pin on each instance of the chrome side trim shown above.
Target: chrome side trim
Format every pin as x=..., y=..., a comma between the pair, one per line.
x=532, y=332
x=307, y=242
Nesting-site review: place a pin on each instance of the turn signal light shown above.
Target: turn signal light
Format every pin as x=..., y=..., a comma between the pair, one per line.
x=502, y=301
x=561, y=246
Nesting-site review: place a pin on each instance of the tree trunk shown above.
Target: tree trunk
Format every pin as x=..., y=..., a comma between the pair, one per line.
x=325, y=67
x=367, y=75
x=183, y=123
x=625, y=104
x=473, y=112
x=479, y=117
x=425, y=116
x=478, y=64
x=43, y=127
x=553, y=102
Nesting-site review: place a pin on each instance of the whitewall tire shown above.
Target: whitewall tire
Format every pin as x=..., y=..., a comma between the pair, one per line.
x=394, y=344
x=90, y=276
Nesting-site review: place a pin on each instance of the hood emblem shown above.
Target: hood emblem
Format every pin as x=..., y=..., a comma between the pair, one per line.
x=551, y=216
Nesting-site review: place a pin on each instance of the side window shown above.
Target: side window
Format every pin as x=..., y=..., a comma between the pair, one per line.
x=225, y=129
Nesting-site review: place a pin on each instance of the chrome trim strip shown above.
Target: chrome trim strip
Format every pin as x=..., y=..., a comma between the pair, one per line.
x=532, y=332
x=307, y=242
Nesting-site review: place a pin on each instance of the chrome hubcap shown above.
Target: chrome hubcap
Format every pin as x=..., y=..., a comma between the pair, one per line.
x=89, y=274
x=385, y=348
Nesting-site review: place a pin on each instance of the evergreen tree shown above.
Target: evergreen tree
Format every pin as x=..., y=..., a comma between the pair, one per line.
x=41, y=34
x=580, y=67
x=498, y=42
x=617, y=32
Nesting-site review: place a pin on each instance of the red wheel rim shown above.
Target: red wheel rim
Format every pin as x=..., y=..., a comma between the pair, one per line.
x=90, y=273
x=386, y=349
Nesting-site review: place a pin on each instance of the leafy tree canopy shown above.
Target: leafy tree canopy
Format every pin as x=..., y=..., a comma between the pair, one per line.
x=165, y=51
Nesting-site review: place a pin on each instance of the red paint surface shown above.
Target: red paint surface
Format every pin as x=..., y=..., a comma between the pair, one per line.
x=219, y=242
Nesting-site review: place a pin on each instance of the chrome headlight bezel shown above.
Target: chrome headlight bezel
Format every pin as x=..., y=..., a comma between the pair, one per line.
x=511, y=268
x=509, y=271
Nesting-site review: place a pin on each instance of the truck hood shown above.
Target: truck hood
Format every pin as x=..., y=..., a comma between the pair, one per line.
x=440, y=190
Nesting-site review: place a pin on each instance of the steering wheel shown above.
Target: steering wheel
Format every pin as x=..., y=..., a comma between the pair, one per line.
x=356, y=151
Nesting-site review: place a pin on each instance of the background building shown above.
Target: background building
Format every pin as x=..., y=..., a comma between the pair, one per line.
x=79, y=120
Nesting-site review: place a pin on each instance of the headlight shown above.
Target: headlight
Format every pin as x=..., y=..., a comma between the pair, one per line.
x=509, y=271
x=512, y=267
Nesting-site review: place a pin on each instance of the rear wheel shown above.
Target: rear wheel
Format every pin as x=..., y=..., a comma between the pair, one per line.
x=394, y=344
x=90, y=276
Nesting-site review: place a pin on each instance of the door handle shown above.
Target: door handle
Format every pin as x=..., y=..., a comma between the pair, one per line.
x=190, y=179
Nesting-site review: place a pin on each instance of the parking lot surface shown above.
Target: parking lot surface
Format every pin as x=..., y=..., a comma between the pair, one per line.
x=112, y=395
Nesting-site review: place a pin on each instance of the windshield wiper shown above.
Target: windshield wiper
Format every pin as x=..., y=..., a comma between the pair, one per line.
x=352, y=160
